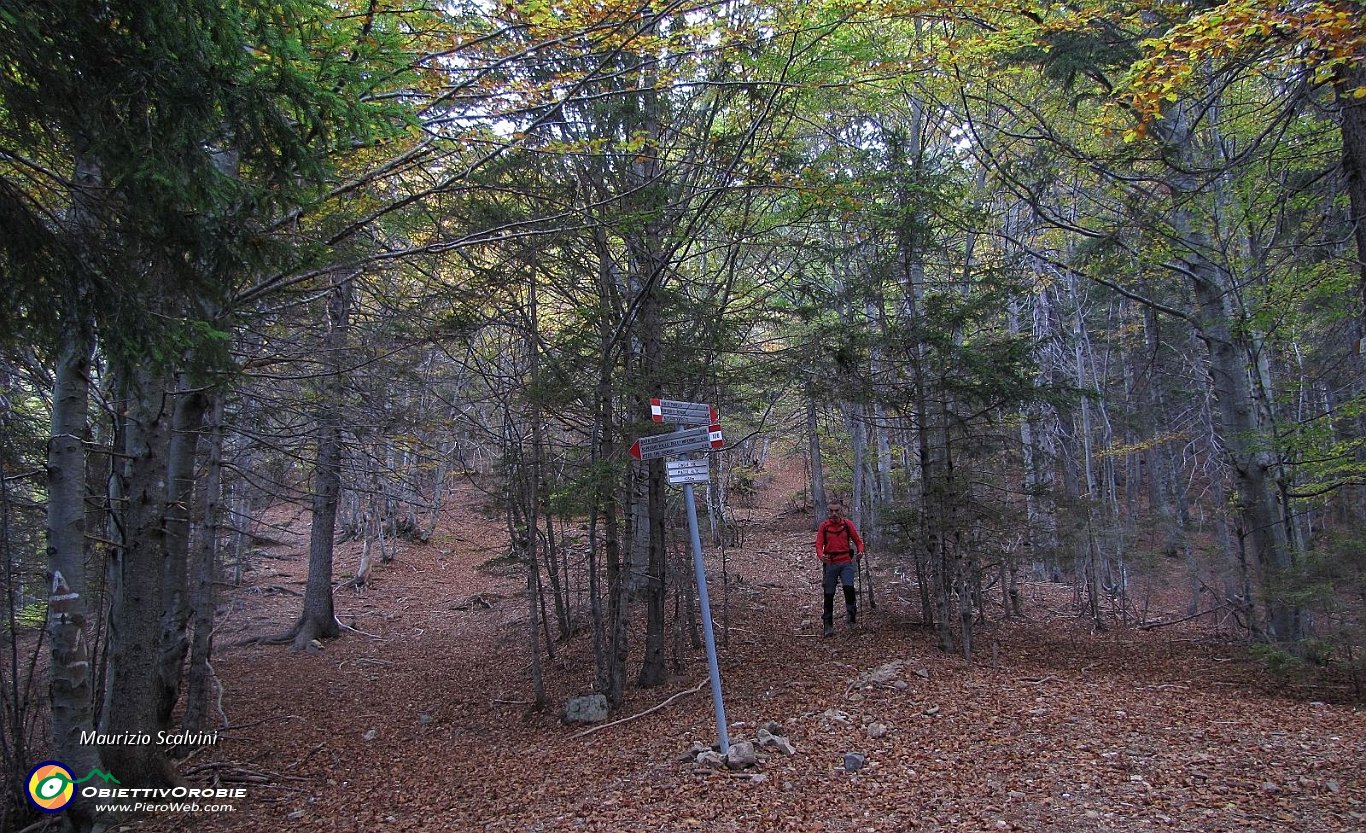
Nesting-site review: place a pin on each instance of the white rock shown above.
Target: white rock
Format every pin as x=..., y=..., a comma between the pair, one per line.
x=834, y=716
x=696, y=749
x=769, y=740
x=741, y=755
x=590, y=708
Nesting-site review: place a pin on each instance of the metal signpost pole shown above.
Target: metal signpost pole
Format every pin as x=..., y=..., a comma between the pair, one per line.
x=705, y=436
x=712, y=668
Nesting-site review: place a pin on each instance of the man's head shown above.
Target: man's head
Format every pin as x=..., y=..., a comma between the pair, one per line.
x=835, y=511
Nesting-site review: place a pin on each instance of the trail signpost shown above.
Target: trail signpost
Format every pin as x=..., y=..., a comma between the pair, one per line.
x=682, y=413
x=702, y=438
x=684, y=472
x=705, y=436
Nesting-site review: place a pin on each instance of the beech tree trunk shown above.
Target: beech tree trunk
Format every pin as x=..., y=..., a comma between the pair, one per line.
x=1261, y=521
x=137, y=574
x=533, y=476
x=859, y=441
x=1244, y=424
x=186, y=421
x=1353, y=125
x=70, y=674
x=1352, y=112
x=203, y=572
x=648, y=264
x=610, y=633
x=318, y=619
x=813, y=440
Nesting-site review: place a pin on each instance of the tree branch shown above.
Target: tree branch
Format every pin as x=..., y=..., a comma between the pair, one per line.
x=599, y=728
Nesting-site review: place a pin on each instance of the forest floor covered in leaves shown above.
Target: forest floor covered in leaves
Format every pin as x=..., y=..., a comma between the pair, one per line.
x=417, y=719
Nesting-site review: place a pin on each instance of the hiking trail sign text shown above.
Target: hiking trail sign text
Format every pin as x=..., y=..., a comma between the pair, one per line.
x=683, y=413
x=687, y=471
x=701, y=438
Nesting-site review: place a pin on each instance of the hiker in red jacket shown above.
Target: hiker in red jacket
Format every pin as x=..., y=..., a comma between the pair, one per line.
x=839, y=547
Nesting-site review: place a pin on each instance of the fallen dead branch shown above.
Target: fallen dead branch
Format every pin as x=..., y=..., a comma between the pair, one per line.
x=482, y=601
x=310, y=754
x=359, y=631
x=650, y=710
x=233, y=772
x=1152, y=626
x=239, y=727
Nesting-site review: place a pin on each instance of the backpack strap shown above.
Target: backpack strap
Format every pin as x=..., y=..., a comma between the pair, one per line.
x=825, y=533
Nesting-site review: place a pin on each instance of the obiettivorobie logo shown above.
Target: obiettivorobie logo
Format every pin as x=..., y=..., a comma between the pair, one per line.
x=51, y=786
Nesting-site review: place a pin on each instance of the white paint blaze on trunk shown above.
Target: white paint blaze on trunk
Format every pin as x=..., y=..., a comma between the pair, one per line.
x=70, y=682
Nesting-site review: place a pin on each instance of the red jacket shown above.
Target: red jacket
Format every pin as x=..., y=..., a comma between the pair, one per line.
x=837, y=541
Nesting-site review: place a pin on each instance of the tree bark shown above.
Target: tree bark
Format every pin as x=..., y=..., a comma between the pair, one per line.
x=813, y=440
x=1352, y=112
x=318, y=619
x=534, y=482
x=1261, y=520
x=186, y=422
x=1245, y=425
x=654, y=668
x=70, y=677
x=648, y=266
x=203, y=572
x=859, y=433
x=137, y=568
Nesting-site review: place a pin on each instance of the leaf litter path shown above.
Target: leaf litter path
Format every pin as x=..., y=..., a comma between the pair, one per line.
x=418, y=721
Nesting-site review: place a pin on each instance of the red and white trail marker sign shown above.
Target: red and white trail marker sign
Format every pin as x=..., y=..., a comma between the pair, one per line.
x=702, y=438
x=683, y=413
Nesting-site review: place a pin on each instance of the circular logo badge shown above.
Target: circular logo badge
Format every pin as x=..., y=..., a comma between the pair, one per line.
x=50, y=786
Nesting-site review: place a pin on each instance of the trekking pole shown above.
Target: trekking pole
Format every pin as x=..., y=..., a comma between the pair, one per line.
x=858, y=586
x=868, y=584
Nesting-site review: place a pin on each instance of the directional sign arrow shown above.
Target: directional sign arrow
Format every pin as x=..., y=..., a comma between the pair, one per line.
x=682, y=413
x=701, y=438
